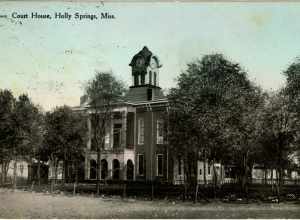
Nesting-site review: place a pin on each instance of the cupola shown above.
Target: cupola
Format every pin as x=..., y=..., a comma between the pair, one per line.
x=145, y=68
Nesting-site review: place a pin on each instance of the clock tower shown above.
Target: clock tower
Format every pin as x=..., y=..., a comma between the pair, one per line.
x=145, y=77
x=145, y=69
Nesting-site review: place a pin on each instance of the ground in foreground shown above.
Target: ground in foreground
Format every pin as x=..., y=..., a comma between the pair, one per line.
x=20, y=204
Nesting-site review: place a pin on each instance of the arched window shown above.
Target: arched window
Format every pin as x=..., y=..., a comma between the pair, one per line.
x=104, y=169
x=130, y=168
x=93, y=169
x=116, y=169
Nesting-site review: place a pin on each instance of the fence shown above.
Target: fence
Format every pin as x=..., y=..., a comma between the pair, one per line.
x=273, y=182
x=235, y=181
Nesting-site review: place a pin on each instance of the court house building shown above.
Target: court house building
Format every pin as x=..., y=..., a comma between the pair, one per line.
x=135, y=147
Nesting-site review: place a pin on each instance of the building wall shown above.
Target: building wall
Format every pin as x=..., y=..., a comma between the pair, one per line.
x=59, y=170
x=22, y=169
x=210, y=175
x=178, y=172
x=150, y=149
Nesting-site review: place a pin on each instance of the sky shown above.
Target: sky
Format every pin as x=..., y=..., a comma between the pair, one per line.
x=52, y=59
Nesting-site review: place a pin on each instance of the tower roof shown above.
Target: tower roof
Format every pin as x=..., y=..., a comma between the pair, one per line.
x=144, y=53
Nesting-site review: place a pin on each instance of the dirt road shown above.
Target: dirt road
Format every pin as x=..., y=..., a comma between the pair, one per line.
x=20, y=204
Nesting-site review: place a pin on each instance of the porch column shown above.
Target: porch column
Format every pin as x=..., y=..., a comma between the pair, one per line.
x=124, y=129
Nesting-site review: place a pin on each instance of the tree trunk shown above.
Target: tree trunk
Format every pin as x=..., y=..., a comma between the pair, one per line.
x=15, y=175
x=196, y=192
x=215, y=179
x=99, y=146
x=51, y=185
x=281, y=177
x=2, y=172
x=98, y=169
x=39, y=172
x=272, y=185
x=6, y=167
x=53, y=182
x=76, y=179
x=204, y=169
x=195, y=169
x=278, y=185
x=64, y=169
x=185, y=192
x=245, y=175
x=31, y=179
x=265, y=176
x=185, y=178
x=55, y=172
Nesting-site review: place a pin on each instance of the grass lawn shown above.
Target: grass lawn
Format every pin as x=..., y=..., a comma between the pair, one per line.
x=20, y=204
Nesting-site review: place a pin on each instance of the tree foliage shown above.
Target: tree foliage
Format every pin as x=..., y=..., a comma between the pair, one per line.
x=20, y=133
x=65, y=133
x=292, y=90
x=102, y=92
x=7, y=131
x=27, y=122
x=212, y=108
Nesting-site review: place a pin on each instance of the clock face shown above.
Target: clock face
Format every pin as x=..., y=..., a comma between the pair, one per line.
x=140, y=62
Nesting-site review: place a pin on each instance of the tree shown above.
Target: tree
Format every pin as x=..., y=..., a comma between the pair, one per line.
x=7, y=103
x=28, y=136
x=245, y=127
x=64, y=138
x=37, y=138
x=292, y=89
x=279, y=135
x=102, y=92
x=181, y=141
x=209, y=108
x=18, y=130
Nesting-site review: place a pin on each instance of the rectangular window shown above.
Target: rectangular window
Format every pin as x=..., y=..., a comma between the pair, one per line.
x=94, y=118
x=200, y=171
x=93, y=144
x=208, y=170
x=160, y=132
x=179, y=166
x=141, y=131
x=117, y=115
x=159, y=161
x=21, y=168
x=107, y=138
x=140, y=163
x=117, y=135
